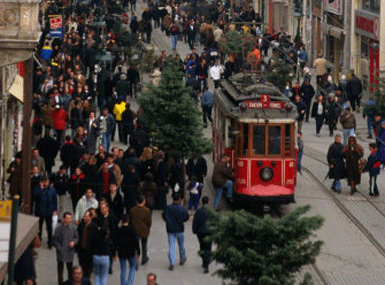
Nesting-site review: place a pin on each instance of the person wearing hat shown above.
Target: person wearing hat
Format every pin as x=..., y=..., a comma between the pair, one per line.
x=118, y=110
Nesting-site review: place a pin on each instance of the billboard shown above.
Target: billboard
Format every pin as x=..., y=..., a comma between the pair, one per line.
x=55, y=26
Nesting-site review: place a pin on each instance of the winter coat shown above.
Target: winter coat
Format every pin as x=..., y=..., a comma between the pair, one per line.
x=129, y=188
x=59, y=119
x=314, y=110
x=48, y=149
x=46, y=118
x=40, y=163
x=199, y=226
x=60, y=182
x=62, y=236
x=354, y=87
x=116, y=205
x=175, y=215
x=306, y=92
x=335, y=158
x=119, y=108
x=127, y=243
x=67, y=155
x=301, y=106
x=45, y=201
x=373, y=164
x=351, y=157
x=83, y=205
x=149, y=190
x=14, y=179
x=92, y=135
x=221, y=174
x=141, y=219
x=348, y=123
x=334, y=111
x=77, y=186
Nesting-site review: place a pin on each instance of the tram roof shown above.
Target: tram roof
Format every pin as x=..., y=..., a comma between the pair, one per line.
x=248, y=87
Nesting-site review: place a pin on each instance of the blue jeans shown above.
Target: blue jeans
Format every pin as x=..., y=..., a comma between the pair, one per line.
x=174, y=41
x=347, y=133
x=101, y=266
x=123, y=270
x=229, y=185
x=299, y=165
x=370, y=124
x=337, y=185
x=106, y=141
x=193, y=201
x=171, y=247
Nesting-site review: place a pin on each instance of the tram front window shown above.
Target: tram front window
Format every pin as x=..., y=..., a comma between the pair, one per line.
x=274, y=139
x=246, y=140
x=259, y=140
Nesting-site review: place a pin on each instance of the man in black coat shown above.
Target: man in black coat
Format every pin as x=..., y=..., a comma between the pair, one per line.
x=354, y=90
x=130, y=184
x=48, y=149
x=336, y=163
x=301, y=109
x=307, y=92
x=197, y=166
x=199, y=228
x=67, y=156
x=115, y=200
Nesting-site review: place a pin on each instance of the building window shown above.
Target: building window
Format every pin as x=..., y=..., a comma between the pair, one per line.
x=371, y=6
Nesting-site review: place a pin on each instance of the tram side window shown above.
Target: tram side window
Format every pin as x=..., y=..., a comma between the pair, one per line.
x=259, y=140
x=274, y=139
x=245, y=140
x=288, y=139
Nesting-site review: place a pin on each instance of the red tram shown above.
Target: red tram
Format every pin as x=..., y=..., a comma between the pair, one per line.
x=255, y=125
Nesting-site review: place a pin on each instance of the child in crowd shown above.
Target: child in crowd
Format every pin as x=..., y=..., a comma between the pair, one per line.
x=195, y=189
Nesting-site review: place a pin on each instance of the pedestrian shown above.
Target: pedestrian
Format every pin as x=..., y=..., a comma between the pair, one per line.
x=195, y=189
x=348, y=122
x=103, y=249
x=59, y=117
x=77, y=186
x=48, y=148
x=91, y=127
x=380, y=140
x=105, y=178
x=141, y=218
x=60, y=183
x=77, y=277
x=119, y=108
x=107, y=125
x=64, y=240
x=320, y=64
x=174, y=32
x=300, y=151
x=175, y=215
x=370, y=112
x=216, y=73
x=87, y=231
x=333, y=113
x=115, y=200
x=149, y=189
x=128, y=117
x=307, y=92
x=87, y=201
x=128, y=249
x=319, y=112
x=15, y=169
x=199, y=227
x=45, y=206
x=207, y=103
x=335, y=158
x=352, y=153
x=301, y=109
x=354, y=92
x=67, y=154
x=373, y=166
x=130, y=185
x=37, y=160
x=222, y=179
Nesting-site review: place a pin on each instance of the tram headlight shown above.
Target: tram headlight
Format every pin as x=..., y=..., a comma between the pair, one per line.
x=266, y=174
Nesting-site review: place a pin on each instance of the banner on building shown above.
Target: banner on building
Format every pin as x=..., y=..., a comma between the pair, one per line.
x=333, y=6
x=367, y=24
x=55, y=26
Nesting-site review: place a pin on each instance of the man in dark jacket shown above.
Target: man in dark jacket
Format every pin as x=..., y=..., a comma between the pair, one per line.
x=45, y=206
x=373, y=166
x=197, y=166
x=306, y=91
x=301, y=109
x=354, y=90
x=67, y=154
x=175, y=215
x=199, y=228
x=336, y=163
x=128, y=250
x=115, y=200
x=221, y=179
x=86, y=231
x=60, y=183
x=48, y=149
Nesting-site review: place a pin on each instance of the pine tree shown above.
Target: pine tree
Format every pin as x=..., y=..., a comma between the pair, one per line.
x=265, y=251
x=173, y=116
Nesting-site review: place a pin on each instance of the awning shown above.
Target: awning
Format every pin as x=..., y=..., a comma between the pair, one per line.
x=17, y=88
x=333, y=31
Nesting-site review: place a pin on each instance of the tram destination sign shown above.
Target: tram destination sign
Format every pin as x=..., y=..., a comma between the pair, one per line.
x=265, y=104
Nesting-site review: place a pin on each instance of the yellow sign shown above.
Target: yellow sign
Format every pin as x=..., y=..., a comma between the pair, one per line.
x=5, y=209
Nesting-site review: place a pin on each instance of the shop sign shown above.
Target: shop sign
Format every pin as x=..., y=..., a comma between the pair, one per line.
x=333, y=6
x=367, y=24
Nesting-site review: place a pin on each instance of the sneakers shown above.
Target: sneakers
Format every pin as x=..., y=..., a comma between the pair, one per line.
x=171, y=267
x=354, y=190
x=144, y=261
x=205, y=270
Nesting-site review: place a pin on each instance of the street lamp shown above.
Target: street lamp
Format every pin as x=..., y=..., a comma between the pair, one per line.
x=297, y=13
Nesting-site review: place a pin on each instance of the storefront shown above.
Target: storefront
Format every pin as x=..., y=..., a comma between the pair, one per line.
x=366, y=28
